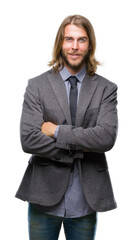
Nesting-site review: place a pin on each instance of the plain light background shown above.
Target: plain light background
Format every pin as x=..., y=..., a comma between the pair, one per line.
x=27, y=34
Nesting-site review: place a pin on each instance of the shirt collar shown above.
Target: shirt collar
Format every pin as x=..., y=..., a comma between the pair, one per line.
x=65, y=74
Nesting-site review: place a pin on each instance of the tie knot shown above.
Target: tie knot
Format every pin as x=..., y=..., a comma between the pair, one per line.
x=73, y=81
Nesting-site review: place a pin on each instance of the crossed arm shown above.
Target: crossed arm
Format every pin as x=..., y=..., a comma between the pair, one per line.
x=99, y=138
x=37, y=135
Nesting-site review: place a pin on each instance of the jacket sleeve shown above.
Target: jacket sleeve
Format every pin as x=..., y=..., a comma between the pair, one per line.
x=99, y=138
x=33, y=141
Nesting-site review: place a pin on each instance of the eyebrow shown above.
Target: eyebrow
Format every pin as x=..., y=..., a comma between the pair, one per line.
x=78, y=37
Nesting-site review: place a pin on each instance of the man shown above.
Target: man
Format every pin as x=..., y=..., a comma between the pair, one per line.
x=69, y=120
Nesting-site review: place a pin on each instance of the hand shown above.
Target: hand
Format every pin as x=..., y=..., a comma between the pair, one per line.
x=48, y=128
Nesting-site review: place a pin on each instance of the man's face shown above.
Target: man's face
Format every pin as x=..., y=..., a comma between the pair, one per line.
x=75, y=48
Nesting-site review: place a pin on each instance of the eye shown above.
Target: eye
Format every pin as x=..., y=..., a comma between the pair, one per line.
x=68, y=39
x=82, y=40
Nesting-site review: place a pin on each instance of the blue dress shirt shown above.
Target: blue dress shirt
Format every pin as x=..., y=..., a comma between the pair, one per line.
x=73, y=204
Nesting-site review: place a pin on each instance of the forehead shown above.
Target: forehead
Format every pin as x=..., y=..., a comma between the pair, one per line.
x=74, y=31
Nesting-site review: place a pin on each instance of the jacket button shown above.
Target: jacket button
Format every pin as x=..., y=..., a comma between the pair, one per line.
x=72, y=147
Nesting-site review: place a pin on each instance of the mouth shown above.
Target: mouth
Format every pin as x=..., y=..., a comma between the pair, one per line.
x=74, y=55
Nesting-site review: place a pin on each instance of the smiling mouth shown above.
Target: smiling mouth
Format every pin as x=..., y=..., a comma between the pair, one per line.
x=74, y=55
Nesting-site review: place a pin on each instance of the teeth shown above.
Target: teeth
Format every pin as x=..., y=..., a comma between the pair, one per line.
x=75, y=54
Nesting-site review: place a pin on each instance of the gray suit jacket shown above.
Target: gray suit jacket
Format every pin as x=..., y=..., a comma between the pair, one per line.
x=47, y=175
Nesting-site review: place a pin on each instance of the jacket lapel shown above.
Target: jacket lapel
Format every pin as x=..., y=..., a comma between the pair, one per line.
x=88, y=88
x=60, y=92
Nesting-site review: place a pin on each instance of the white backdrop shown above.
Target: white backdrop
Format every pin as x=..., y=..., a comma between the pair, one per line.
x=28, y=30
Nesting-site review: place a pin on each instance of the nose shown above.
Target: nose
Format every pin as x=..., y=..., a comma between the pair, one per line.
x=75, y=44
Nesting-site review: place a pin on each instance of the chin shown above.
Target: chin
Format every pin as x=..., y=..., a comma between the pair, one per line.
x=75, y=66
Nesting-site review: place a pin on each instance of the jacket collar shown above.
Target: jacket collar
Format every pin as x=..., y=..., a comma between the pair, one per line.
x=87, y=91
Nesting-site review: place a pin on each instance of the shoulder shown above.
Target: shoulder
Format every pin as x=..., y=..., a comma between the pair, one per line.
x=104, y=82
x=37, y=80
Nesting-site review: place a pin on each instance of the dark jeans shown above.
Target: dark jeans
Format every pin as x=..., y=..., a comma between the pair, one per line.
x=47, y=227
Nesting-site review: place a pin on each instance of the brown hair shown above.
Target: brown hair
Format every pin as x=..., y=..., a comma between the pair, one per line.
x=78, y=20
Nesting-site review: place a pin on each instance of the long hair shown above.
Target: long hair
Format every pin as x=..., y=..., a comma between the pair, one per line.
x=80, y=21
